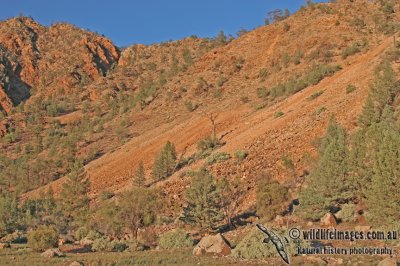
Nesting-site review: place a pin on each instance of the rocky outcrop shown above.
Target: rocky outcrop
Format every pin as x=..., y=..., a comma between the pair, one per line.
x=50, y=59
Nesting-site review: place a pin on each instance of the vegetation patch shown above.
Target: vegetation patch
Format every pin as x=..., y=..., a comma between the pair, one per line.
x=312, y=77
x=175, y=239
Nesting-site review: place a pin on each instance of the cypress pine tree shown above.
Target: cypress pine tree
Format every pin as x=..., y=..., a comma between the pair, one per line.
x=74, y=198
x=383, y=196
x=369, y=115
x=203, y=202
x=165, y=161
x=139, y=176
x=9, y=213
x=329, y=183
x=169, y=158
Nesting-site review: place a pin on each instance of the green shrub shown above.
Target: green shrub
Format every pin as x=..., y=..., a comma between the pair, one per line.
x=208, y=143
x=102, y=244
x=271, y=197
x=92, y=235
x=218, y=157
x=221, y=81
x=279, y=114
x=244, y=99
x=81, y=232
x=262, y=92
x=347, y=212
x=252, y=247
x=120, y=246
x=350, y=88
x=319, y=110
x=190, y=106
x=315, y=95
x=241, y=155
x=263, y=73
x=43, y=238
x=175, y=239
x=312, y=77
x=260, y=106
x=350, y=50
x=135, y=246
x=319, y=72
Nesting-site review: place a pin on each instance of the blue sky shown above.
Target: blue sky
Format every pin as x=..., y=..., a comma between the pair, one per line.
x=149, y=21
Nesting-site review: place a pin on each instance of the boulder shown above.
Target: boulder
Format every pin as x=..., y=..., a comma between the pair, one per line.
x=388, y=262
x=329, y=220
x=215, y=244
x=149, y=99
x=52, y=252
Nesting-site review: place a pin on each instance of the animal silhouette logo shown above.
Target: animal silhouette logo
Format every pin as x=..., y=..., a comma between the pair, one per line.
x=277, y=241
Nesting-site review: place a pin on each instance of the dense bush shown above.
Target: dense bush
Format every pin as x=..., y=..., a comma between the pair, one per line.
x=81, y=232
x=312, y=77
x=347, y=212
x=252, y=247
x=350, y=50
x=135, y=245
x=262, y=92
x=279, y=114
x=271, y=197
x=43, y=238
x=315, y=95
x=102, y=244
x=175, y=239
x=350, y=88
x=208, y=143
x=241, y=155
x=218, y=157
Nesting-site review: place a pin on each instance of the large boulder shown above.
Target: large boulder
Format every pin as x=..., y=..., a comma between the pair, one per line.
x=329, y=220
x=52, y=252
x=215, y=244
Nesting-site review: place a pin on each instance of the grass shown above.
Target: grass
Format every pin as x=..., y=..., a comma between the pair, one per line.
x=320, y=110
x=20, y=255
x=279, y=114
x=350, y=88
x=315, y=95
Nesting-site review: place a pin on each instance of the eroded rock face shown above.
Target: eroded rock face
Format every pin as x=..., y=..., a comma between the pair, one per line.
x=212, y=244
x=59, y=57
